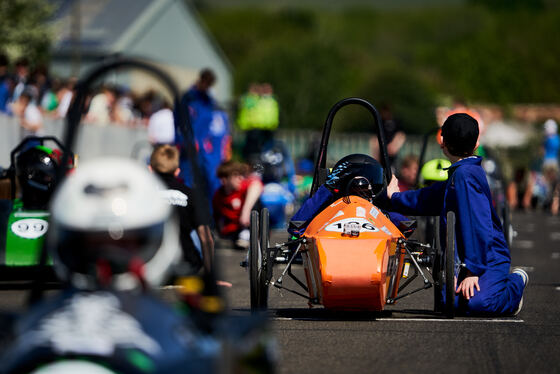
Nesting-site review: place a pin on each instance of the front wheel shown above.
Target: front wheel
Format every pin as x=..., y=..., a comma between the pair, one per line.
x=254, y=260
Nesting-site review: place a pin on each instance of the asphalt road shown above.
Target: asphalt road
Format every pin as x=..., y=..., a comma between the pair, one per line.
x=408, y=337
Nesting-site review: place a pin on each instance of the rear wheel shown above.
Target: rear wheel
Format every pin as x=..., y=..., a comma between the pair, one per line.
x=449, y=269
x=266, y=265
x=254, y=260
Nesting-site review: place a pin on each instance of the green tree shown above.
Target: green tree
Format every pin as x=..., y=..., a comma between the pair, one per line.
x=24, y=30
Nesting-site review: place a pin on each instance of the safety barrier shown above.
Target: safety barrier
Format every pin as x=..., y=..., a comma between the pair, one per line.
x=123, y=141
x=93, y=140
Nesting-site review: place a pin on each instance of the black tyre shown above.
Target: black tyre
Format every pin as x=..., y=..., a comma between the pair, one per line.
x=254, y=263
x=437, y=267
x=449, y=269
x=266, y=267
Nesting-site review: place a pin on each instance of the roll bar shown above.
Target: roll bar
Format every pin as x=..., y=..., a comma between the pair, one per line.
x=320, y=173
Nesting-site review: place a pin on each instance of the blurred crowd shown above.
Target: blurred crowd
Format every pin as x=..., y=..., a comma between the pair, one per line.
x=30, y=93
x=51, y=96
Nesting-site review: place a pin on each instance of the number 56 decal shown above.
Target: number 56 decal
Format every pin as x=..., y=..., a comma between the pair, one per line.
x=364, y=224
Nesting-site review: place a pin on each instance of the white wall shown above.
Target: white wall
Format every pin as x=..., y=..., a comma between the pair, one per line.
x=93, y=141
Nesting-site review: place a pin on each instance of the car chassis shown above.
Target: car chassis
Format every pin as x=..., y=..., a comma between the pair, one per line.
x=398, y=254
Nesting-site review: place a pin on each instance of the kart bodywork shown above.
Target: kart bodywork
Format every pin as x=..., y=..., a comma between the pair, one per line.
x=22, y=231
x=354, y=257
x=351, y=256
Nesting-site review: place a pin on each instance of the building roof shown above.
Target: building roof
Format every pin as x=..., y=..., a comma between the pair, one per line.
x=163, y=31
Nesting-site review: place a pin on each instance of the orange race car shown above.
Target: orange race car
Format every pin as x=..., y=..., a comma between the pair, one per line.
x=354, y=257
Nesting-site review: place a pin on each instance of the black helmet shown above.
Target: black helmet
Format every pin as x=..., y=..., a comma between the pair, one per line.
x=367, y=179
x=36, y=170
x=358, y=158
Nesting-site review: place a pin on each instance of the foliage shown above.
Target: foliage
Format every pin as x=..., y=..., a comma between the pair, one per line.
x=23, y=29
x=411, y=58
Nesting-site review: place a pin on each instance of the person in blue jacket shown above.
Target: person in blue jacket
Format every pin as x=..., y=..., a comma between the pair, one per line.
x=211, y=130
x=484, y=285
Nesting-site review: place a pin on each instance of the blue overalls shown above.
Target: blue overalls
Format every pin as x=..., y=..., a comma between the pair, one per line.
x=481, y=245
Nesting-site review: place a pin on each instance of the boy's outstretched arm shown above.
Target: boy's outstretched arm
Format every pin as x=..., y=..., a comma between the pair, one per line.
x=254, y=192
x=426, y=201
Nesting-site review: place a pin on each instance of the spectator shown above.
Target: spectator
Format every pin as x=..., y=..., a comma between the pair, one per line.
x=64, y=97
x=123, y=110
x=195, y=237
x=21, y=77
x=542, y=185
x=234, y=201
x=258, y=117
x=551, y=143
x=212, y=136
x=42, y=82
x=30, y=117
x=394, y=135
x=408, y=172
x=161, y=126
x=5, y=83
x=101, y=107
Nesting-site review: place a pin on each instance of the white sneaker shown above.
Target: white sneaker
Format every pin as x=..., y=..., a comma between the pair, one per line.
x=519, y=307
x=243, y=239
x=523, y=274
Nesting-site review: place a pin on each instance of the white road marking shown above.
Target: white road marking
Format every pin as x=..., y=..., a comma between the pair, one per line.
x=528, y=269
x=488, y=320
x=555, y=255
x=555, y=236
x=523, y=244
x=170, y=287
x=389, y=319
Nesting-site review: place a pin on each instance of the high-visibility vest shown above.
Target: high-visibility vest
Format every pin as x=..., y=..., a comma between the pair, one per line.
x=258, y=112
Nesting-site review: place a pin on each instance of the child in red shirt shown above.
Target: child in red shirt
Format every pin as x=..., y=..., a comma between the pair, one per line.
x=234, y=200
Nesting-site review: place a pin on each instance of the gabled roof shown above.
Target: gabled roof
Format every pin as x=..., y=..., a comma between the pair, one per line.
x=103, y=22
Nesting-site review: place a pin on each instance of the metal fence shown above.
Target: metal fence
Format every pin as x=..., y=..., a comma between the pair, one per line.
x=301, y=142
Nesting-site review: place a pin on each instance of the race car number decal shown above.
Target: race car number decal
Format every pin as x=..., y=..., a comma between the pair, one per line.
x=30, y=228
x=364, y=225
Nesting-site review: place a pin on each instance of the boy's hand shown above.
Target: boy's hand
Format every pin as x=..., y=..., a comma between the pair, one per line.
x=467, y=286
x=393, y=187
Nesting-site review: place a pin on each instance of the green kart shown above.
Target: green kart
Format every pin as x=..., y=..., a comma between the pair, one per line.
x=25, y=189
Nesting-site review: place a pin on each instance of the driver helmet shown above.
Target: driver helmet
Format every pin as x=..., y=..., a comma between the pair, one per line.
x=435, y=171
x=367, y=179
x=36, y=171
x=110, y=227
